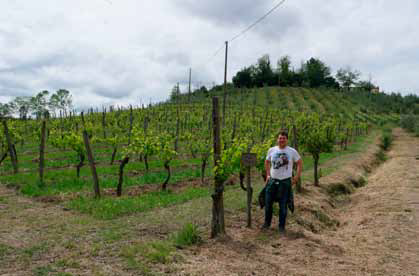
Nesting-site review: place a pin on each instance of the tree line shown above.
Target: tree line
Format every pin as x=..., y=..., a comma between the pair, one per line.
x=39, y=105
x=312, y=73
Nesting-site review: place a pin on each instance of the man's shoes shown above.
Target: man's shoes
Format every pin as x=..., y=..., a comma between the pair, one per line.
x=265, y=227
x=282, y=231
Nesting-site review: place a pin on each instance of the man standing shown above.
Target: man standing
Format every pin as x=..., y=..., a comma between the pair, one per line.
x=278, y=165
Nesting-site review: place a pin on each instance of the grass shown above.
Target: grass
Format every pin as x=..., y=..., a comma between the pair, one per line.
x=58, y=182
x=325, y=219
x=187, y=236
x=339, y=189
x=137, y=256
x=4, y=250
x=109, y=208
x=35, y=250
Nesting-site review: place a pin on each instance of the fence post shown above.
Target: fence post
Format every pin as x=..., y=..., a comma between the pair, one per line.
x=42, y=152
x=10, y=145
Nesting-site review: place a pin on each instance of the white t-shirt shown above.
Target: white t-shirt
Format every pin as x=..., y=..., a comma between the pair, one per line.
x=282, y=161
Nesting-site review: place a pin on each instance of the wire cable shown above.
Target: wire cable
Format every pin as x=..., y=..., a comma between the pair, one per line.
x=248, y=28
x=276, y=6
x=257, y=21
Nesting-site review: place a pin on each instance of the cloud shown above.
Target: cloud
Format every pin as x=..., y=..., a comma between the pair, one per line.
x=238, y=15
x=131, y=51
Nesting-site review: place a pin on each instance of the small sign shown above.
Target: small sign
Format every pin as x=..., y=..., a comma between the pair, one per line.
x=248, y=159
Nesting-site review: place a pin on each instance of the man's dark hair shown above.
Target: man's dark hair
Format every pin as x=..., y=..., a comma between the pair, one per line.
x=283, y=132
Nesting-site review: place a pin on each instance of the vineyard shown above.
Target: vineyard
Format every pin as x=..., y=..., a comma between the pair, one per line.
x=148, y=151
x=109, y=164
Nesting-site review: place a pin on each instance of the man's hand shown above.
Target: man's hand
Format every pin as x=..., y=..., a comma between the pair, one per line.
x=268, y=171
x=294, y=180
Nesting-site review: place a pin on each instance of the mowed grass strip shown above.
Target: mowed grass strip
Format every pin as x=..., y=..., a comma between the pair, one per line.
x=110, y=208
x=64, y=182
x=102, y=166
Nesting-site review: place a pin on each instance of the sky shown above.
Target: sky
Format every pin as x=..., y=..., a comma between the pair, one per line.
x=132, y=52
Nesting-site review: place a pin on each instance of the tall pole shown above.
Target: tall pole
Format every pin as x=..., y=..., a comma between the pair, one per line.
x=225, y=85
x=189, y=86
x=217, y=222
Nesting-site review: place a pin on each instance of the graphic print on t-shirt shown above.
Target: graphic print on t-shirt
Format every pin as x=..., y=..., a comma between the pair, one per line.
x=279, y=160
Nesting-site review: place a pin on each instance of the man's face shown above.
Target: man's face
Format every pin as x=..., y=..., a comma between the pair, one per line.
x=282, y=141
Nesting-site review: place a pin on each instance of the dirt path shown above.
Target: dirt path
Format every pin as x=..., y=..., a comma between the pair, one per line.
x=378, y=233
x=381, y=235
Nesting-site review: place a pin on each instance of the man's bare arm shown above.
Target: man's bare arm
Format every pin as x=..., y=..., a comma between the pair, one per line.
x=268, y=169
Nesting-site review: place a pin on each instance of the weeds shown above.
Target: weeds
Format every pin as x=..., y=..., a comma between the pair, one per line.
x=339, y=189
x=188, y=235
x=137, y=255
x=386, y=139
x=4, y=250
x=325, y=219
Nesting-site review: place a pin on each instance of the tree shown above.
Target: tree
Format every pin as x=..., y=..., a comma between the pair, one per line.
x=316, y=136
x=61, y=100
x=284, y=71
x=347, y=77
x=6, y=109
x=365, y=85
x=331, y=83
x=264, y=74
x=39, y=104
x=315, y=73
x=22, y=106
x=244, y=77
x=175, y=94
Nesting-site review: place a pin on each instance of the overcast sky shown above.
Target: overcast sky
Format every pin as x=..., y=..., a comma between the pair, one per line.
x=133, y=51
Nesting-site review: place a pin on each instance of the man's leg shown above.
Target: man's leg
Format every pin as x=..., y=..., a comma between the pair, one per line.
x=270, y=192
x=285, y=185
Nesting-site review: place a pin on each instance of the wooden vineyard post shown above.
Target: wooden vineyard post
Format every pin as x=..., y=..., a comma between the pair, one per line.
x=217, y=222
x=248, y=160
x=92, y=164
x=104, y=123
x=189, y=86
x=131, y=118
x=346, y=139
x=10, y=146
x=177, y=131
x=42, y=152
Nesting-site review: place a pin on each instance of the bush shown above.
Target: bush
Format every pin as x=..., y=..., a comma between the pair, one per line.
x=188, y=235
x=410, y=123
x=386, y=139
x=381, y=156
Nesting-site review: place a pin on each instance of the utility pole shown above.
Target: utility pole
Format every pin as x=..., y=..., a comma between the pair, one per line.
x=225, y=85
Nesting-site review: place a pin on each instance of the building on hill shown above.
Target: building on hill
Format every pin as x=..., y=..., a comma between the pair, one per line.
x=375, y=90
